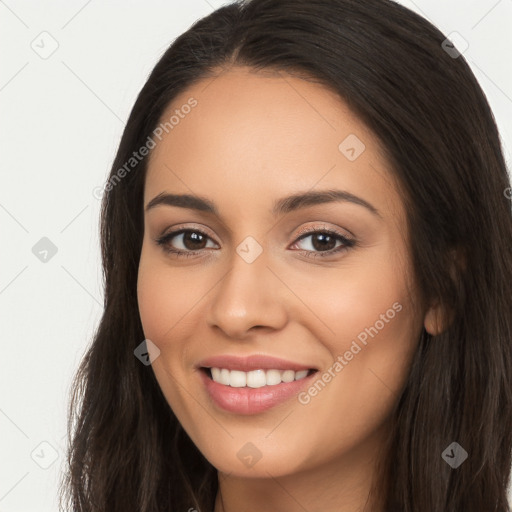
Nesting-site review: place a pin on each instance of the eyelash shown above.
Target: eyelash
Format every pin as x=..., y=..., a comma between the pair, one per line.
x=348, y=243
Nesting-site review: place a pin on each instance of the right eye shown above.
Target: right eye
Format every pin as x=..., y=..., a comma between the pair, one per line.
x=191, y=240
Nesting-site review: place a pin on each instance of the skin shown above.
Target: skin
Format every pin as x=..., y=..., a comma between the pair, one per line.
x=253, y=138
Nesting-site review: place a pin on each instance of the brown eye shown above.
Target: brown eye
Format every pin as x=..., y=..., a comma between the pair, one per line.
x=191, y=240
x=323, y=243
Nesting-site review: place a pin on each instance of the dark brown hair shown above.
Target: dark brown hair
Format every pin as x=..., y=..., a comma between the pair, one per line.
x=128, y=451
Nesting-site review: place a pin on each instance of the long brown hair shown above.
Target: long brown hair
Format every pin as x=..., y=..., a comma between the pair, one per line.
x=127, y=450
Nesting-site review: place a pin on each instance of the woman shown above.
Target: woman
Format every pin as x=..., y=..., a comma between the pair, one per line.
x=306, y=241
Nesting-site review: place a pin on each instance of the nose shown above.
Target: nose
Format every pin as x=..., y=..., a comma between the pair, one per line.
x=250, y=296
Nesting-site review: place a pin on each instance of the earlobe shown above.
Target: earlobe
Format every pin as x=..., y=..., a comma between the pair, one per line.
x=432, y=322
x=437, y=319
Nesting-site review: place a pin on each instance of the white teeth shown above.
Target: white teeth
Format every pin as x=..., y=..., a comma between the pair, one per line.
x=237, y=379
x=255, y=378
x=288, y=376
x=224, y=377
x=273, y=377
x=216, y=374
x=301, y=374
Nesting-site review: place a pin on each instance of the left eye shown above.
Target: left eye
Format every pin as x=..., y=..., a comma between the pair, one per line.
x=324, y=241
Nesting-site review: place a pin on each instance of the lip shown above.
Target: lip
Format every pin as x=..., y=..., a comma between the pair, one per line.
x=248, y=401
x=253, y=362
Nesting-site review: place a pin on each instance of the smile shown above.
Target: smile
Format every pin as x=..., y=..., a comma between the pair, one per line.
x=255, y=378
x=254, y=391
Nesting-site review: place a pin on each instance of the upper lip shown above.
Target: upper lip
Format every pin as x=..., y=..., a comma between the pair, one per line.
x=253, y=362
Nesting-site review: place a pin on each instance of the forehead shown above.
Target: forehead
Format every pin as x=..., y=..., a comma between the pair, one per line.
x=264, y=135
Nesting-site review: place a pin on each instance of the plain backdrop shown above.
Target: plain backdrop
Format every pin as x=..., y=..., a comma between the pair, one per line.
x=70, y=73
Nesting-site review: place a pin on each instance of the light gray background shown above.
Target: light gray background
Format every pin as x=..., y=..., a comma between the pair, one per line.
x=62, y=118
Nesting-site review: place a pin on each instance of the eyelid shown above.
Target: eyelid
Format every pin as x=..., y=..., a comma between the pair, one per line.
x=310, y=229
x=187, y=227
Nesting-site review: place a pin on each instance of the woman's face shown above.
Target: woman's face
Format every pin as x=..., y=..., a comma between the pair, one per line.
x=319, y=283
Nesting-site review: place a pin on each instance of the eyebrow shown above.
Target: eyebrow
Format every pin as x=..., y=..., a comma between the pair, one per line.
x=281, y=206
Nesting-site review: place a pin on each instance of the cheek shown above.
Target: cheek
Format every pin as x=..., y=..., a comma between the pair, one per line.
x=162, y=299
x=347, y=302
x=162, y=311
x=152, y=301
x=373, y=327
x=371, y=358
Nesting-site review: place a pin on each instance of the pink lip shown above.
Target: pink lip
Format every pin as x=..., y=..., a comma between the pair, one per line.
x=255, y=362
x=247, y=400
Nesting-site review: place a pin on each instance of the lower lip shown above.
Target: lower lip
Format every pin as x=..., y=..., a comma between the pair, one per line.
x=252, y=400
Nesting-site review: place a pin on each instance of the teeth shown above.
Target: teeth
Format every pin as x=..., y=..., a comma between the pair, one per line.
x=288, y=376
x=255, y=378
x=273, y=377
x=301, y=374
x=237, y=379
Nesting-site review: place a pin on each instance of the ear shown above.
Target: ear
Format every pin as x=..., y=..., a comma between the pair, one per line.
x=438, y=317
